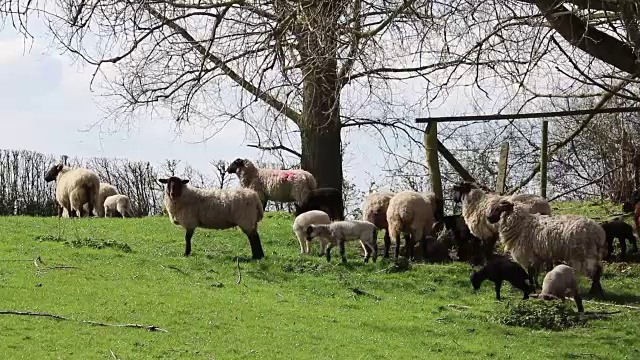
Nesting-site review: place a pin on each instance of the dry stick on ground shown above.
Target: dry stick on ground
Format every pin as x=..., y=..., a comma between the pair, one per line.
x=239, y=273
x=60, y=317
x=616, y=305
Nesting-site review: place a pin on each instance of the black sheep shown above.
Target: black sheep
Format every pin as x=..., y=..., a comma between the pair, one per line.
x=469, y=246
x=623, y=232
x=328, y=200
x=501, y=269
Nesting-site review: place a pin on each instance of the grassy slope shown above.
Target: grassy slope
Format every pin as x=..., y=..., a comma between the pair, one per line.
x=286, y=306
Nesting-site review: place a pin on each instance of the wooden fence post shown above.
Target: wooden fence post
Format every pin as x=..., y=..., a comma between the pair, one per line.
x=501, y=182
x=431, y=145
x=544, y=158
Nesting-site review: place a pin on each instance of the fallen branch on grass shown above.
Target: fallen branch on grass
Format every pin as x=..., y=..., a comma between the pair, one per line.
x=173, y=267
x=60, y=317
x=362, y=292
x=239, y=273
x=616, y=305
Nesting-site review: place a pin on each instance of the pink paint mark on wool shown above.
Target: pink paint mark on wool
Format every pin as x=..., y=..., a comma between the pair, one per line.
x=287, y=175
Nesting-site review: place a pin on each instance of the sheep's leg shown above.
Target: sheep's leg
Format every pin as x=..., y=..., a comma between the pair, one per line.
x=387, y=243
x=375, y=249
x=397, y=254
x=623, y=248
x=60, y=209
x=72, y=213
x=302, y=242
x=187, y=241
x=367, y=252
x=634, y=244
x=533, y=276
x=596, y=287
x=409, y=244
x=609, y=247
x=498, y=286
x=256, y=245
x=342, y=251
x=329, y=247
x=323, y=246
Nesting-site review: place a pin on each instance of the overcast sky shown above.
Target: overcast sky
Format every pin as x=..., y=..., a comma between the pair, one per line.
x=46, y=105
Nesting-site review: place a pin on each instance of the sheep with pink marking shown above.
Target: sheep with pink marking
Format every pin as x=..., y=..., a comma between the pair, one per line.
x=273, y=184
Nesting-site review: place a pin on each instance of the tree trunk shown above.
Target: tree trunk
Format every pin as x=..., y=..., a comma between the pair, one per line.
x=320, y=128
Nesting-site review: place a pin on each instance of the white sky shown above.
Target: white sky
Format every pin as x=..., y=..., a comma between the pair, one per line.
x=46, y=106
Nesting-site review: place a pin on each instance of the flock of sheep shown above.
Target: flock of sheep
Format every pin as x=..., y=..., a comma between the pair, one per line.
x=534, y=239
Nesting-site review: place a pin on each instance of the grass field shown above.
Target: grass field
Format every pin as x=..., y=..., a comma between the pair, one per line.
x=287, y=306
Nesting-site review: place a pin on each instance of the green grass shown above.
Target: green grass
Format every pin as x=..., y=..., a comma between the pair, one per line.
x=287, y=306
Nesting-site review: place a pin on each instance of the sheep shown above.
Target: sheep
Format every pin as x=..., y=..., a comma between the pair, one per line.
x=560, y=282
x=300, y=224
x=463, y=237
x=375, y=211
x=476, y=201
x=534, y=240
x=412, y=213
x=117, y=204
x=105, y=191
x=500, y=269
x=621, y=230
x=274, y=185
x=340, y=231
x=191, y=207
x=325, y=199
x=74, y=188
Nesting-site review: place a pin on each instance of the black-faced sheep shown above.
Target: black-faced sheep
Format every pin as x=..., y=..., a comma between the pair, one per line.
x=503, y=269
x=118, y=205
x=412, y=213
x=74, y=188
x=302, y=222
x=469, y=246
x=623, y=232
x=535, y=240
x=475, y=205
x=272, y=184
x=560, y=282
x=328, y=200
x=192, y=208
x=340, y=231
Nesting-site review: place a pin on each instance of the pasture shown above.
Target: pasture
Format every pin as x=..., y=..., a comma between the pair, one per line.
x=218, y=304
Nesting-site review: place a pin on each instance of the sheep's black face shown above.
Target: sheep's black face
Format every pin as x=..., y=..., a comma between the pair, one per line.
x=235, y=165
x=460, y=190
x=174, y=186
x=497, y=210
x=309, y=232
x=53, y=172
x=627, y=207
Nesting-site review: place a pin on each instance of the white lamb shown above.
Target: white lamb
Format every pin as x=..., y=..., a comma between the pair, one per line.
x=74, y=188
x=118, y=204
x=535, y=240
x=272, y=184
x=340, y=231
x=560, y=282
x=191, y=208
x=300, y=224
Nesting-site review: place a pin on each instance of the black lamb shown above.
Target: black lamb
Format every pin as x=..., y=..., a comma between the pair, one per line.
x=501, y=269
x=326, y=199
x=623, y=232
x=469, y=246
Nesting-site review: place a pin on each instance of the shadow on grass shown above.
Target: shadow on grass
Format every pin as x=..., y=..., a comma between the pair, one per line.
x=613, y=297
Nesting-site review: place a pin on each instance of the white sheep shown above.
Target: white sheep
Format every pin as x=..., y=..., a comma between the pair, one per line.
x=340, y=231
x=272, y=184
x=374, y=210
x=117, y=204
x=560, y=282
x=300, y=224
x=475, y=204
x=191, y=208
x=105, y=191
x=535, y=240
x=414, y=214
x=74, y=188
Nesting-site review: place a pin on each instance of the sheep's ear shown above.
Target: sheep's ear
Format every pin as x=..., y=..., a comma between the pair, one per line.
x=185, y=181
x=59, y=167
x=163, y=181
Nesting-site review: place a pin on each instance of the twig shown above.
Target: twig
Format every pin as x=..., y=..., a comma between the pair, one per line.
x=362, y=292
x=239, y=273
x=173, y=267
x=60, y=317
x=113, y=355
x=617, y=305
x=456, y=306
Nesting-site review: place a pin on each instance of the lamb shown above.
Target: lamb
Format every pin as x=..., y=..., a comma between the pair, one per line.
x=340, y=231
x=74, y=188
x=621, y=230
x=325, y=199
x=375, y=212
x=558, y=283
x=411, y=213
x=274, y=185
x=118, y=205
x=502, y=269
x=191, y=207
x=534, y=240
x=464, y=238
x=300, y=224
x=475, y=204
